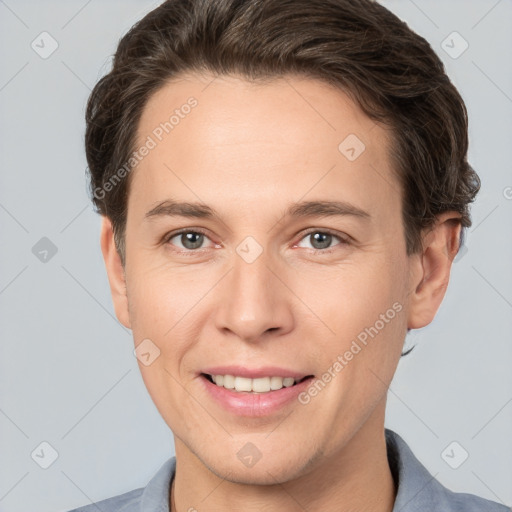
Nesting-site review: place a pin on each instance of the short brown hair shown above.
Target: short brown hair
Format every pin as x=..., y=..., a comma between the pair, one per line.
x=356, y=45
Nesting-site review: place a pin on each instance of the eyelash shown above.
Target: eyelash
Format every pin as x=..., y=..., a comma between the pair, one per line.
x=344, y=240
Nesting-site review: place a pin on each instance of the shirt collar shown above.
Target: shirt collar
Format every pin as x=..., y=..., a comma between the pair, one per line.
x=155, y=497
x=417, y=488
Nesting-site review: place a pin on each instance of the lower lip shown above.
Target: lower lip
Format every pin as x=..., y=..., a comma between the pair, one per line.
x=254, y=404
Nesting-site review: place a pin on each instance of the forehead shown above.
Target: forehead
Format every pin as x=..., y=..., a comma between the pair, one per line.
x=256, y=109
x=225, y=139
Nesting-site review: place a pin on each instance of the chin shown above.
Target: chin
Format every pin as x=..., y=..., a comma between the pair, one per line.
x=278, y=468
x=255, y=476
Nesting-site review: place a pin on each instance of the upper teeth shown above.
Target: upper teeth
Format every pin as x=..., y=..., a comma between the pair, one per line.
x=260, y=385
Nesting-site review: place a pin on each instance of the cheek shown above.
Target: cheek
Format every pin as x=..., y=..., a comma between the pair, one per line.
x=160, y=298
x=161, y=304
x=352, y=296
x=360, y=326
x=167, y=307
x=365, y=313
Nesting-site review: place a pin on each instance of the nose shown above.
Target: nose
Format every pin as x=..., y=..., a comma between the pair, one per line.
x=254, y=302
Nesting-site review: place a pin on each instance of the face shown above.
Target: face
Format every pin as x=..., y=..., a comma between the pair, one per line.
x=264, y=248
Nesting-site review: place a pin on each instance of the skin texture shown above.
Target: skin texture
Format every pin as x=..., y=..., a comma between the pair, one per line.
x=249, y=151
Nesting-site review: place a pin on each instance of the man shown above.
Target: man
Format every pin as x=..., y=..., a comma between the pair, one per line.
x=284, y=186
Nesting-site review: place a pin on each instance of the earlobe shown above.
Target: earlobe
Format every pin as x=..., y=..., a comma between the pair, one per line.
x=115, y=272
x=430, y=281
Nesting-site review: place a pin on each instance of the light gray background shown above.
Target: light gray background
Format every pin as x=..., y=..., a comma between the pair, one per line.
x=67, y=371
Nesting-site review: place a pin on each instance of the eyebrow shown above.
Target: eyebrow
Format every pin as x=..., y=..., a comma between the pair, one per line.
x=172, y=208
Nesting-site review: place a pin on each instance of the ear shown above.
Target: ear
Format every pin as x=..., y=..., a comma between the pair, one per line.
x=115, y=272
x=431, y=269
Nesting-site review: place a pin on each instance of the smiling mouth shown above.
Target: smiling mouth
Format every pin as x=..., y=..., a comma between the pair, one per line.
x=248, y=385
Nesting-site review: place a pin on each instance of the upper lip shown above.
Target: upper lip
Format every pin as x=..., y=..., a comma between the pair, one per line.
x=254, y=373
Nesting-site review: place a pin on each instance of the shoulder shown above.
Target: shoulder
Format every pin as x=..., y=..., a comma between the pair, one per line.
x=154, y=497
x=419, y=491
x=127, y=502
x=463, y=502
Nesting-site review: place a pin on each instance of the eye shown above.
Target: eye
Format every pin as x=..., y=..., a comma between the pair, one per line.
x=322, y=240
x=190, y=240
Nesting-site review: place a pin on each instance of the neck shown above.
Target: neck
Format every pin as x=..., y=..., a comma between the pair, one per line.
x=357, y=477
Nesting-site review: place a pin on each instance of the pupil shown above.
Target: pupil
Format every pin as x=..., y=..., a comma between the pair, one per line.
x=323, y=243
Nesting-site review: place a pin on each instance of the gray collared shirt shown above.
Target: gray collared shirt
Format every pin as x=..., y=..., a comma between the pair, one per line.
x=418, y=490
